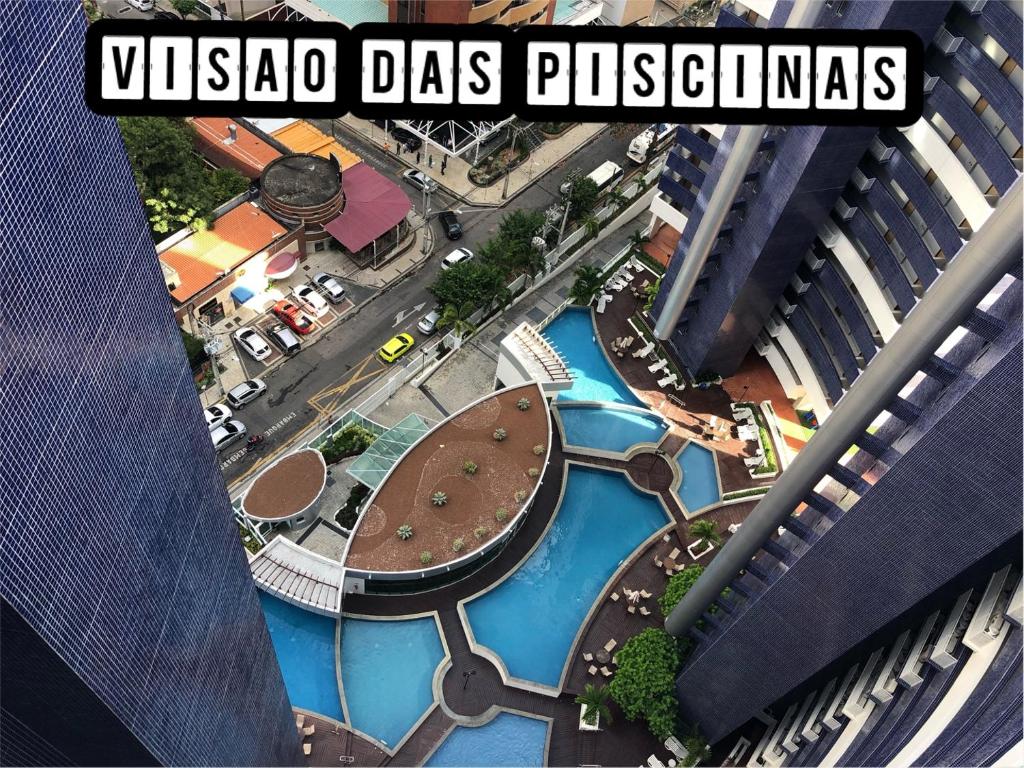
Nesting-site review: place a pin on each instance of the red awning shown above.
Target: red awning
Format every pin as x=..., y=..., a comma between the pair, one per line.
x=373, y=205
x=282, y=266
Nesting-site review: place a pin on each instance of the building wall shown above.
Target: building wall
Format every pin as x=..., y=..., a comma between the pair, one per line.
x=118, y=546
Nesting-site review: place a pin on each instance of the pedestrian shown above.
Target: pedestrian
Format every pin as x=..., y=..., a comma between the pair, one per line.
x=430, y=161
x=387, y=147
x=417, y=157
x=398, y=148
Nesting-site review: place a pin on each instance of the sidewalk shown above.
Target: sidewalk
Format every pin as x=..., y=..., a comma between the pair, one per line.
x=421, y=248
x=456, y=176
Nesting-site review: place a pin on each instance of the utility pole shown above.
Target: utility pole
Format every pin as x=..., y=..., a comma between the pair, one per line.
x=565, y=213
x=508, y=171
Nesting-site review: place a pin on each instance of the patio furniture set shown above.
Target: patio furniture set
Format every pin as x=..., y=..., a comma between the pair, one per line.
x=669, y=564
x=632, y=600
x=602, y=656
x=621, y=344
x=623, y=276
x=304, y=731
x=748, y=430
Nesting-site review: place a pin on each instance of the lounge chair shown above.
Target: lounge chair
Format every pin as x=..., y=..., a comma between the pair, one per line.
x=588, y=657
x=300, y=720
x=667, y=380
x=658, y=563
x=601, y=305
x=666, y=538
x=615, y=596
x=619, y=285
x=606, y=672
x=645, y=594
x=658, y=366
x=669, y=570
x=645, y=350
x=309, y=730
x=644, y=611
x=611, y=645
x=673, y=554
x=592, y=670
x=631, y=608
x=307, y=749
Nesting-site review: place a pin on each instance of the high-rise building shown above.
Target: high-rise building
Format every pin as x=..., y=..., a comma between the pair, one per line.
x=131, y=630
x=873, y=612
x=836, y=233
x=511, y=13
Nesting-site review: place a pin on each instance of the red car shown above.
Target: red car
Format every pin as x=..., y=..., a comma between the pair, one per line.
x=293, y=317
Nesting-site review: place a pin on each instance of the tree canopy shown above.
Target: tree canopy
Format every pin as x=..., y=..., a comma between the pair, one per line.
x=678, y=586
x=582, y=197
x=473, y=282
x=644, y=683
x=512, y=249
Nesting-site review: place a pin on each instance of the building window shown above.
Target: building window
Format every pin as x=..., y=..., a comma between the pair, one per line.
x=955, y=143
x=980, y=105
x=888, y=236
x=930, y=177
x=909, y=208
x=1008, y=66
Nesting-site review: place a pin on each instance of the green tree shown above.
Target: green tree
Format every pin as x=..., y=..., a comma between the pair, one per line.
x=696, y=747
x=592, y=224
x=195, y=349
x=705, y=533
x=678, y=586
x=588, y=282
x=652, y=293
x=512, y=248
x=475, y=282
x=582, y=197
x=184, y=7
x=644, y=683
x=167, y=215
x=638, y=240
x=595, y=704
x=457, y=317
x=617, y=197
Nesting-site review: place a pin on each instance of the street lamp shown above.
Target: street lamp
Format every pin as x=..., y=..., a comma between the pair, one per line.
x=466, y=676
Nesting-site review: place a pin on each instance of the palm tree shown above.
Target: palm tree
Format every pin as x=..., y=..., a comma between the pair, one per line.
x=617, y=197
x=706, y=533
x=592, y=224
x=595, y=704
x=638, y=240
x=458, y=319
x=587, y=284
x=652, y=294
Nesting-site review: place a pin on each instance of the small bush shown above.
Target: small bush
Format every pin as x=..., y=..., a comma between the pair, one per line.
x=469, y=467
x=538, y=450
x=458, y=545
x=501, y=514
x=349, y=514
x=405, y=532
x=439, y=499
x=481, y=532
x=426, y=558
x=500, y=434
x=523, y=404
x=533, y=472
x=521, y=496
x=350, y=441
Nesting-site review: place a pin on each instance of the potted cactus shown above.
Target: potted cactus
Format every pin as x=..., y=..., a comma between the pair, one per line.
x=439, y=499
x=538, y=450
x=521, y=496
x=501, y=514
x=404, y=532
x=469, y=467
x=458, y=545
x=426, y=557
x=523, y=404
x=533, y=472
x=500, y=434
x=481, y=532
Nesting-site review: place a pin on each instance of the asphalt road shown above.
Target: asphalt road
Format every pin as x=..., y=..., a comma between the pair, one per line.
x=325, y=375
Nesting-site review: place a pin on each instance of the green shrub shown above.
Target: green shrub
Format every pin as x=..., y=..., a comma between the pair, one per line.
x=501, y=514
x=469, y=467
x=678, y=586
x=404, y=532
x=538, y=450
x=426, y=557
x=523, y=404
x=349, y=514
x=521, y=496
x=350, y=441
x=439, y=499
x=644, y=683
x=533, y=472
x=481, y=532
x=500, y=434
x=458, y=545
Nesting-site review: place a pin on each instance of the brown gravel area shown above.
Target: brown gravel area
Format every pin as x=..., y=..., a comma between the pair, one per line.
x=287, y=487
x=435, y=464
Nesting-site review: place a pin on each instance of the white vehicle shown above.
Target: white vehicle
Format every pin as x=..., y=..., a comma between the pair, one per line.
x=428, y=323
x=605, y=176
x=651, y=141
x=331, y=288
x=420, y=180
x=216, y=415
x=311, y=301
x=227, y=433
x=457, y=256
x=141, y=5
x=242, y=394
x=254, y=344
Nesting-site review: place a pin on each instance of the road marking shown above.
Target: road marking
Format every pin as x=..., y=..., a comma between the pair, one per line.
x=267, y=433
x=406, y=312
x=327, y=399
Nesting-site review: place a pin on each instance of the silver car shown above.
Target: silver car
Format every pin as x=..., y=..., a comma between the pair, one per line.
x=428, y=324
x=331, y=288
x=457, y=256
x=242, y=394
x=226, y=434
x=254, y=344
x=216, y=415
x=420, y=180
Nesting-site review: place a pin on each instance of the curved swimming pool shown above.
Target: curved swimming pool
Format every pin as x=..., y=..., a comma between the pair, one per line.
x=609, y=429
x=572, y=334
x=700, y=478
x=531, y=618
x=508, y=740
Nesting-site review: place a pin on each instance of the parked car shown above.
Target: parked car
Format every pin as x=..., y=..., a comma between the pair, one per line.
x=408, y=139
x=395, y=347
x=141, y=5
x=254, y=344
x=216, y=415
x=242, y=394
x=226, y=434
x=310, y=300
x=285, y=338
x=451, y=225
x=420, y=180
x=329, y=287
x=428, y=324
x=457, y=256
x=293, y=317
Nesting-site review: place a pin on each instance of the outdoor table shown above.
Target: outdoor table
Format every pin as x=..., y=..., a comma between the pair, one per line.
x=603, y=656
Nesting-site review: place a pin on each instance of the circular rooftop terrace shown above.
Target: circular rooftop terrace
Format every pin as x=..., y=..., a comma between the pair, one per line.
x=287, y=488
x=301, y=181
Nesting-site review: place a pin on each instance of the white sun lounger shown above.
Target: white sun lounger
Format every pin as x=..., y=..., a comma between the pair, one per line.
x=658, y=366
x=667, y=380
x=601, y=304
x=645, y=350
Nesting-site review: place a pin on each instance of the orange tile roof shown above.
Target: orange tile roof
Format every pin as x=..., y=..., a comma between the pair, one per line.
x=202, y=258
x=300, y=136
x=248, y=154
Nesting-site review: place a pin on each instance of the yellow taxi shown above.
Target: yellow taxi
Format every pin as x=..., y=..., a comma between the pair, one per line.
x=395, y=348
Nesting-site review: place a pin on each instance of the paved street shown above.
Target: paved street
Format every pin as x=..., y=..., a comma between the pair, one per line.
x=323, y=376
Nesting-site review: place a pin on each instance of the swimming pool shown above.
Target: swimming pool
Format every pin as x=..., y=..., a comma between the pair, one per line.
x=386, y=673
x=700, y=480
x=609, y=429
x=530, y=620
x=508, y=740
x=304, y=644
x=572, y=334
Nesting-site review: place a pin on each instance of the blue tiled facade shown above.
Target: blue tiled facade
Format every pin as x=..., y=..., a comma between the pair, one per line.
x=118, y=546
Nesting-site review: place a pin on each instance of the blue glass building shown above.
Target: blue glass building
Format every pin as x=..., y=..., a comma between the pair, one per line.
x=131, y=629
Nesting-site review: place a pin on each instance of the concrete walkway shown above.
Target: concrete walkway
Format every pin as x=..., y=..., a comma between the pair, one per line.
x=455, y=178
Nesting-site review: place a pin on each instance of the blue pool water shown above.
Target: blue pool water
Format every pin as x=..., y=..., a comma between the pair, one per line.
x=532, y=617
x=572, y=334
x=386, y=671
x=609, y=429
x=511, y=740
x=700, y=483
x=304, y=644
